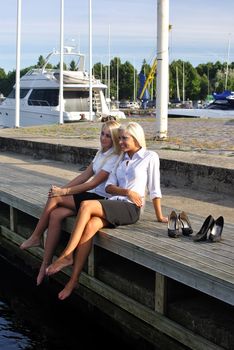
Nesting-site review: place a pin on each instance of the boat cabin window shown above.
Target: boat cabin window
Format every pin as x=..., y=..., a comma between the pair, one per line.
x=23, y=93
x=75, y=101
x=45, y=97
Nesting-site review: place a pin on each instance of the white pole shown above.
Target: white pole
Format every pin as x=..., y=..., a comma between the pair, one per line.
x=228, y=54
x=17, y=74
x=183, y=88
x=117, y=80
x=134, y=82
x=162, y=68
x=109, y=66
x=101, y=71
x=177, y=84
x=61, y=101
x=90, y=63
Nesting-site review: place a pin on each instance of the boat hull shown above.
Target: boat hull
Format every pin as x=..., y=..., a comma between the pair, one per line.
x=200, y=113
x=33, y=118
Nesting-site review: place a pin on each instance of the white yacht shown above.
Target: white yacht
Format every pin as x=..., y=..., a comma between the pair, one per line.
x=39, y=96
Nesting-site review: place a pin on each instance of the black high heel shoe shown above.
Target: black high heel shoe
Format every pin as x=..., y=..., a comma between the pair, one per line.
x=216, y=230
x=173, y=225
x=185, y=224
x=207, y=225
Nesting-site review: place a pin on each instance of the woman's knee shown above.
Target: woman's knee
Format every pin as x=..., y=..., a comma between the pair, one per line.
x=86, y=206
x=57, y=215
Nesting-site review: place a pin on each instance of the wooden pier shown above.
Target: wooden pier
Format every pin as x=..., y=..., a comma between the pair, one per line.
x=174, y=293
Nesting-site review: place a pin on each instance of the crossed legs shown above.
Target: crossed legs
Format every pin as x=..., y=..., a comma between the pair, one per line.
x=81, y=255
x=89, y=220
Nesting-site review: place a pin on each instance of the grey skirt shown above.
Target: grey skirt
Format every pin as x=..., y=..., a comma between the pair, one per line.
x=120, y=212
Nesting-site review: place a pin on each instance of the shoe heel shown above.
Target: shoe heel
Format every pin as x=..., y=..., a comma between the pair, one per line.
x=216, y=230
x=186, y=226
x=173, y=225
x=207, y=225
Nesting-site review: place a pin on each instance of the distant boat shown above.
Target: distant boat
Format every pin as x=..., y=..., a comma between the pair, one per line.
x=222, y=106
x=39, y=96
x=227, y=94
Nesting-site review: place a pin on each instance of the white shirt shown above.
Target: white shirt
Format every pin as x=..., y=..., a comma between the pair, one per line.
x=103, y=161
x=137, y=173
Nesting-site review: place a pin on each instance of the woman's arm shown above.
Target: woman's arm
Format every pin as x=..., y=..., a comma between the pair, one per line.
x=119, y=191
x=81, y=178
x=83, y=187
x=158, y=210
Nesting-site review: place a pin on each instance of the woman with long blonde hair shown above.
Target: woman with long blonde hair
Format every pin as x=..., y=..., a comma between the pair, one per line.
x=65, y=201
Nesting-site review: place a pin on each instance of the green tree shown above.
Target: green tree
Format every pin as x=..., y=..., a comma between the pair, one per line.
x=40, y=63
x=73, y=66
x=126, y=81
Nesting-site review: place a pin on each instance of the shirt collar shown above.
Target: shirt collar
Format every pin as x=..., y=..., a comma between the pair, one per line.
x=139, y=154
x=110, y=150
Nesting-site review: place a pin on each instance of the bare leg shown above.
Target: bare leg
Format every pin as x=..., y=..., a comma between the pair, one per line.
x=81, y=255
x=53, y=236
x=88, y=209
x=52, y=203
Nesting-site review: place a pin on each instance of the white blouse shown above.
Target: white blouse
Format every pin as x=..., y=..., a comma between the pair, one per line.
x=103, y=161
x=137, y=173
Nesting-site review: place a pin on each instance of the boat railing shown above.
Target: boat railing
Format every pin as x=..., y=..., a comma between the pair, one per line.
x=38, y=103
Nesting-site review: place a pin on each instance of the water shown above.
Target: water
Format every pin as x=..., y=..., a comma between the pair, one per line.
x=33, y=318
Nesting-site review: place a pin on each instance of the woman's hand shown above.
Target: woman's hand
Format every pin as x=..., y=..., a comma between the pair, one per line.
x=56, y=191
x=163, y=219
x=135, y=198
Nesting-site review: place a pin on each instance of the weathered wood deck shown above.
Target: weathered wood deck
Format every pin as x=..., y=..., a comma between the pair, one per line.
x=207, y=268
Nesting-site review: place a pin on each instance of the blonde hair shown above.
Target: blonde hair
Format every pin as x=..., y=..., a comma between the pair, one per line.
x=136, y=131
x=113, y=126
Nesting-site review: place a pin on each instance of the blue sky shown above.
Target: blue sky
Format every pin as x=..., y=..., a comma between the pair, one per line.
x=201, y=30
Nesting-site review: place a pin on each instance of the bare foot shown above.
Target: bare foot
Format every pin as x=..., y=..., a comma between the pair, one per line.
x=30, y=242
x=41, y=274
x=59, y=264
x=68, y=289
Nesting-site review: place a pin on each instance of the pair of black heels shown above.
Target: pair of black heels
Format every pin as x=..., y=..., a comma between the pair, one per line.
x=176, y=222
x=211, y=230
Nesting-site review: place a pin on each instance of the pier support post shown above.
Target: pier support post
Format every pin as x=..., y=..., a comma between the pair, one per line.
x=160, y=293
x=91, y=259
x=13, y=219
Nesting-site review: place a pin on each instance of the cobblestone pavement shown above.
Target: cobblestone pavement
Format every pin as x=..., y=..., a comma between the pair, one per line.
x=210, y=136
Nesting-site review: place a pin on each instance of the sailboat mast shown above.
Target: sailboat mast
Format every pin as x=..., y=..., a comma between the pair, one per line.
x=61, y=104
x=177, y=85
x=90, y=63
x=228, y=54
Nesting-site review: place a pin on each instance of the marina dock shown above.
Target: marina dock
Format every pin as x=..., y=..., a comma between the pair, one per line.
x=170, y=293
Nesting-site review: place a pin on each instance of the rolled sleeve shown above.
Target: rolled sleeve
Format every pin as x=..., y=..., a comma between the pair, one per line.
x=112, y=179
x=153, y=185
